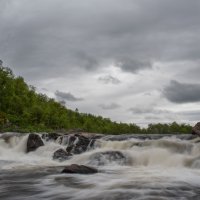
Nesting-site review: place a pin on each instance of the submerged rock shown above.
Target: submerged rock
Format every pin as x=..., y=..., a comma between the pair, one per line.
x=79, y=169
x=34, y=141
x=196, y=129
x=8, y=135
x=61, y=155
x=103, y=158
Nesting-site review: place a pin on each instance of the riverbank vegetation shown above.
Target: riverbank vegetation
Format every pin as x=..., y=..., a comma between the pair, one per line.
x=24, y=110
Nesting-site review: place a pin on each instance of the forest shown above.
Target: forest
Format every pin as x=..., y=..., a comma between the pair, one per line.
x=22, y=109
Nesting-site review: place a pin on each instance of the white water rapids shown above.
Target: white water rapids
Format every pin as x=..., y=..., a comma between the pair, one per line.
x=151, y=168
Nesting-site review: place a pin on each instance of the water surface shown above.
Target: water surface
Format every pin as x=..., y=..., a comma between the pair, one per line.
x=154, y=168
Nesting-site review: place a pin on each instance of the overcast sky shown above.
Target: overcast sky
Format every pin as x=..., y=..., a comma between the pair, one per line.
x=130, y=60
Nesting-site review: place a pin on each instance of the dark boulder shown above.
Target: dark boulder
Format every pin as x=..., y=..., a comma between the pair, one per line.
x=61, y=155
x=81, y=144
x=79, y=169
x=103, y=158
x=34, y=141
x=77, y=144
x=69, y=148
x=196, y=129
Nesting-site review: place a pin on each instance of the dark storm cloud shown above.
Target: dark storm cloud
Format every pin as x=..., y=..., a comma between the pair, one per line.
x=182, y=92
x=67, y=96
x=111, y=106
x=47, y=38
x=109, y=79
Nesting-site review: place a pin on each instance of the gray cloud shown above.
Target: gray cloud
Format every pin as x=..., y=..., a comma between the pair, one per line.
x=63, y=103
x=45, y=89
x=67, y=96
x=138, y=110
x=153, y=114
x=191, y=115
x=192, y=73
x=111, y=106
x=77, y=35
x=56, y=43
x=148, y=110
x=133, y=66
x=182, y=92
x=109, y=79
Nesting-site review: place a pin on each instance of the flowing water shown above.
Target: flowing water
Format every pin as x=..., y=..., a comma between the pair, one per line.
x=130, y=167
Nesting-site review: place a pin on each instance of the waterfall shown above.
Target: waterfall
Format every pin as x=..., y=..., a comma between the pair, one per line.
x=163, y=152
x=130, y=167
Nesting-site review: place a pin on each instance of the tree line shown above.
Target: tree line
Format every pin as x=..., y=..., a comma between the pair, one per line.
x=22, y=109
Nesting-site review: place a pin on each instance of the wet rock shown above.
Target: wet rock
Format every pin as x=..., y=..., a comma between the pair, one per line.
x=50, y=136
x=77, y=144
x=71, y=143
x=71, y=140
x=79, y=169
x=91, y=144
x=196, y=129
x=61, y=155
x=103, y=158
x=34, y=141
x=69, y=148
x=97, y=136
x=81, y=144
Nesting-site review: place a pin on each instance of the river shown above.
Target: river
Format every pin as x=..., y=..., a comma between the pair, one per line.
x=152, y=168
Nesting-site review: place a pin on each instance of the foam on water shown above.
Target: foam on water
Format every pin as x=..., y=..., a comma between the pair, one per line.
x=164, y=168
x=164, y=152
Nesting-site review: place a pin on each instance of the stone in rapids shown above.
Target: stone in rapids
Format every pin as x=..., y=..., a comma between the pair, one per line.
x=79, y=169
